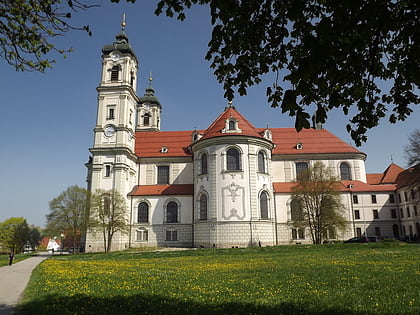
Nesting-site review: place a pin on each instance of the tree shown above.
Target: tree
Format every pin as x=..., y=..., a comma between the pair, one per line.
x=34, y=237
x=69, y=213
x=323, y=54
x=412, y=150
x=28, y=27
x=14, y=234
x=108, y=215
x=316, y=194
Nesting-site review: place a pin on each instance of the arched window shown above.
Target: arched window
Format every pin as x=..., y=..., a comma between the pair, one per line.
x=146, y=119
x=204, y=163
x=264, y=205
x=143, y=213
x=301, y=167
x=232, y=125
x=345, y=171
x=203, y=207
x=172, y=212
x=233, y=160
x=261, y=162
x=115, y=73
x=296, y=213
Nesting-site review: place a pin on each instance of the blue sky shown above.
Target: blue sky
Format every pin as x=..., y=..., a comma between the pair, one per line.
x=48, y=118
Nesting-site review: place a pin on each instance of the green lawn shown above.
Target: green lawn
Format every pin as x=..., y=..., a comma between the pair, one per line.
x=324, y=279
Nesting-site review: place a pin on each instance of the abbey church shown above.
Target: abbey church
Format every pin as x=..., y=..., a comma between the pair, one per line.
x=229, y=184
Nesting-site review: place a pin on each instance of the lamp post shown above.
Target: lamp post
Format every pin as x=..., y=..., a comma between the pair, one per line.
x=350, y=187
x=62, y=238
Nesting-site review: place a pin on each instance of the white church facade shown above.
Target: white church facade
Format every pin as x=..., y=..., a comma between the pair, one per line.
x=227, y=185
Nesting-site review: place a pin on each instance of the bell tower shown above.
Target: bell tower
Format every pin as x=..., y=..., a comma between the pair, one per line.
x=148, y=110
x=113, y=162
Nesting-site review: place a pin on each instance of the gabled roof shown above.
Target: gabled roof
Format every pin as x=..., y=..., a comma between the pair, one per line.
x=310, y=140
x=387, y=177
x=216, y=129
x=357, y=186
x=157, y=190
x=410, y=176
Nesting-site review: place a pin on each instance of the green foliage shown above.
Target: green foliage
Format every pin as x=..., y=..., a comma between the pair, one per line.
x=69, y=213
x=34, y=237
x=108, y=215
x=316, y=279
x=318, y=193
x=14, y=234
x=323, y=54
x=28, y=27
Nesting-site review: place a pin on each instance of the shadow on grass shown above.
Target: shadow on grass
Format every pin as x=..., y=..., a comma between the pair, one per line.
x=139, y=304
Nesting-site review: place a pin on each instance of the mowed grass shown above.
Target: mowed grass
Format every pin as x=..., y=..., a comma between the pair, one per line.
x=325, y=279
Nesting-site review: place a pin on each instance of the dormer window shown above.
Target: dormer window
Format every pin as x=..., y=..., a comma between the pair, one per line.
x=115, y=73
x=164, y=149
x=299, y=146
x=196, y=136
x=232, y=125
x=267, y=134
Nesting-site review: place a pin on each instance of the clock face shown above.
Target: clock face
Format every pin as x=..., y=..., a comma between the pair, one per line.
x=115, y=56
x=109, y=131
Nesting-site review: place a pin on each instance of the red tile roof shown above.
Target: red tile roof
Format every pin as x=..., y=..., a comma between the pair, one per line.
x=374, y=179
x=391, y=173
x=150, y=143
x=156, y=190
x=312, y=141
x=387, y=177
x=215, y=129
x=358, y=186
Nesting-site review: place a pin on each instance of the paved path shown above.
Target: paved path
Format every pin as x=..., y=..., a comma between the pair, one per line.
x=13, y=280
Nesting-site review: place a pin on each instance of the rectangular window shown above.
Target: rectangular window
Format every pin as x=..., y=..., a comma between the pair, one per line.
x=373, y=197
x=375, y=214
x=401, y=213
x=110, y=112
x=405, y=196
x=394, y=213
x=357, y=214
x=142, y=235
x=408, y=212
x=301, y=234
x=301, y=167
x=171, y=235
x=107, y=170
x=355, y=199
x=358, y=232
x=415, y=211
x=298, y=234
x=391, y=198
x=399, y=198
x=163, y=175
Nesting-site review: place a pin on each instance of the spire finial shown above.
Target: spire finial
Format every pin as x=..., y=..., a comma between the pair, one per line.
x=123, y=22
x=150, y=78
